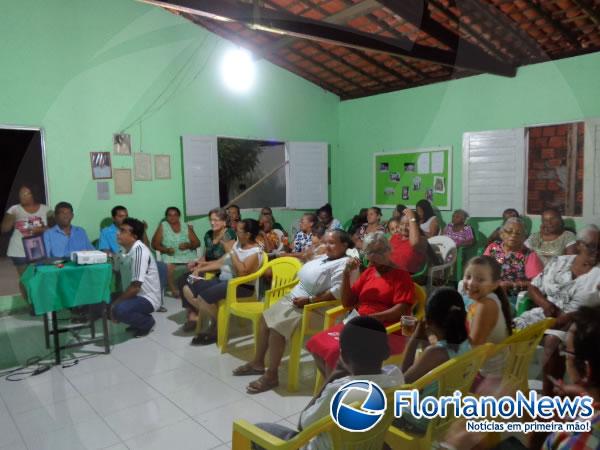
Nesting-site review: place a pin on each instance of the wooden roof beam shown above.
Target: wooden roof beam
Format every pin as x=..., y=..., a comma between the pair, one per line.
x=416, y=12
x=286, y=23
x=566, y=32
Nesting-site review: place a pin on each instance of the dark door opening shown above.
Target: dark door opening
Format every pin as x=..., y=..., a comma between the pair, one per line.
x=21, y=163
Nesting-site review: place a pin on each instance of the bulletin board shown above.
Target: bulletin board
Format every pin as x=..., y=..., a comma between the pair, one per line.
x=407, y=176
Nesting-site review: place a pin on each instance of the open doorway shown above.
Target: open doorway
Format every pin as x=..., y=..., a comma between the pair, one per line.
x=21, y=163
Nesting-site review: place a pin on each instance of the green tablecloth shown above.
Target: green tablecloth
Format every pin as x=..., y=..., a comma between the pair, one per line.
x=51, y=288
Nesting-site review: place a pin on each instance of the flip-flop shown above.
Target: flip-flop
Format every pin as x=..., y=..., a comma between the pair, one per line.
x=247, y=369
x=261, y=385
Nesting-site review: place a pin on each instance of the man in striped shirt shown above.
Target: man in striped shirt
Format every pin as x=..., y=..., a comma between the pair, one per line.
x=141, y=298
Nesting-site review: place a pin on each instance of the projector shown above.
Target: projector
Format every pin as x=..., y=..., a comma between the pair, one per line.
x=89, y=257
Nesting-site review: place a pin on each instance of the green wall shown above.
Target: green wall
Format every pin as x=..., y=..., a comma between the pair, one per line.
x=439, y=114
x=83, y=70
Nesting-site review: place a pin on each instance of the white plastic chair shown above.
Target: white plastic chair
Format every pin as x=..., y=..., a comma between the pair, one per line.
x=446, y=249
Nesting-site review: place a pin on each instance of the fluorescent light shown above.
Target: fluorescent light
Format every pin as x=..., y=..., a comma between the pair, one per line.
x=238, y=70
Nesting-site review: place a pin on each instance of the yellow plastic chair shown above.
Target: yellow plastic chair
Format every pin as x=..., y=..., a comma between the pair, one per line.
x=457, y=374
x=245, y=433
x=333, y=314
x=298, y=338
x=284, y=271
x=520, y=349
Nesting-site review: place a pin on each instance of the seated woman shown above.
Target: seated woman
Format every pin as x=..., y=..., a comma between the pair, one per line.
x=267, y=211
x=519, y=264
x=393, y=226
x=217, y=242
x=269, y=238
x=458, y=231
x=177, y=242
x=382, y=291
x=445, y=319
x=428, y=222
x=409, y=246
x=320, y=280
x=489, y=315
x=358, y=221
x=552, y=239
x=507, y=214
x=567, y=283
x=398, y=211
x=325, y=215
x=203, y=295
x=372, y=225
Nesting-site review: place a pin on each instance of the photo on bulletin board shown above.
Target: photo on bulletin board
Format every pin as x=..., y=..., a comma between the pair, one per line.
x=101, y=168
x=407, y=176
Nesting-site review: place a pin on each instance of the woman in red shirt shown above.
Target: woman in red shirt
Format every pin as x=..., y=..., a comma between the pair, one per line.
x=409, y=246
x=382, y=291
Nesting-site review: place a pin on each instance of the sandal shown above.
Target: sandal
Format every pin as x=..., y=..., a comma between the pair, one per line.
x=263, y=384
x=204, y=339
x=247, y=369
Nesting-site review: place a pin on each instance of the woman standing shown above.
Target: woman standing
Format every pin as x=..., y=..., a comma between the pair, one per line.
x=552, y=239
x=27, y=218
x=177, y=242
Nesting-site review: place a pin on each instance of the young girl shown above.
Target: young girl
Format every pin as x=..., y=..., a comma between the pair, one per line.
x=489, y=315
x=445, y=319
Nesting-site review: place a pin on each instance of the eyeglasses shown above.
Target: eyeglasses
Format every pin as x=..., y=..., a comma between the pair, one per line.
x=513, y=232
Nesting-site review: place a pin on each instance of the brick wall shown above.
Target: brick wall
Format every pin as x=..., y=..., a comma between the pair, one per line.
x=548, y=167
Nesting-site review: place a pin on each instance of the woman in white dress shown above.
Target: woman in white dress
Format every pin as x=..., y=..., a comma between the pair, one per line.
x=320, y=280
x=428, y=222
x=27, y=218
x=567, y=282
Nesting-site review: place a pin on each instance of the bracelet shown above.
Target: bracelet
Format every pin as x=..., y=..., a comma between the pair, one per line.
x=311, y=298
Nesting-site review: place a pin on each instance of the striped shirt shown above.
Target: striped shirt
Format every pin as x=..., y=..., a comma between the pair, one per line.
x=576, y=441
x=139, y=265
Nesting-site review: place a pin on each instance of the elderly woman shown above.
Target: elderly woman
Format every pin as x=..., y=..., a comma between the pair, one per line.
x=458, y=230
x=567, y=283
x=409, y=246
x=382, y=291
x=428, y=222
x=506, y=214
x=372, y=225
x=519, y=264
x=552, y=239
x=217, y=242
x=320, y=280
x=177, y=242
x=203, y=295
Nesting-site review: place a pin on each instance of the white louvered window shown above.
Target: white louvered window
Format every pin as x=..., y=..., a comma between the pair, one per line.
x=494, y=172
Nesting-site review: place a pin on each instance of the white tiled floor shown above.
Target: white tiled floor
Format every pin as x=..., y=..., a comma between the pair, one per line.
x=156, y=392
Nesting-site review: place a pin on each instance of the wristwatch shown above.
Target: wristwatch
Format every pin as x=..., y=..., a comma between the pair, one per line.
x=311, y=298
x=413, y=220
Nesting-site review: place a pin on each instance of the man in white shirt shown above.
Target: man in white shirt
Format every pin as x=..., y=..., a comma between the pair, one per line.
x=141, y=298
x=363, y=348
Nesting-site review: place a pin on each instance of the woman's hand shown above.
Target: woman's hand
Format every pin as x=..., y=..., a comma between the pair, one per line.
x=352, y=265
x=184, y=246
x=300, y=302
x=191, y=265
x=409, y=213
x=550, y=309
x=169, y=251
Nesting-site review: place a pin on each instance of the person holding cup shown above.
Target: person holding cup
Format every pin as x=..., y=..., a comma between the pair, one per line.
x=445, y=321
x=382, y=291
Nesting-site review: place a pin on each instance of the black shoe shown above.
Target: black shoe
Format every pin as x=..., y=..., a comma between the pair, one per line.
x=141, y=333
x=162, y=309
x=204, y=339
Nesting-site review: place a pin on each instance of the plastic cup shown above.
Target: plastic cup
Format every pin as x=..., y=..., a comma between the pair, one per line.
x=409, y=324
